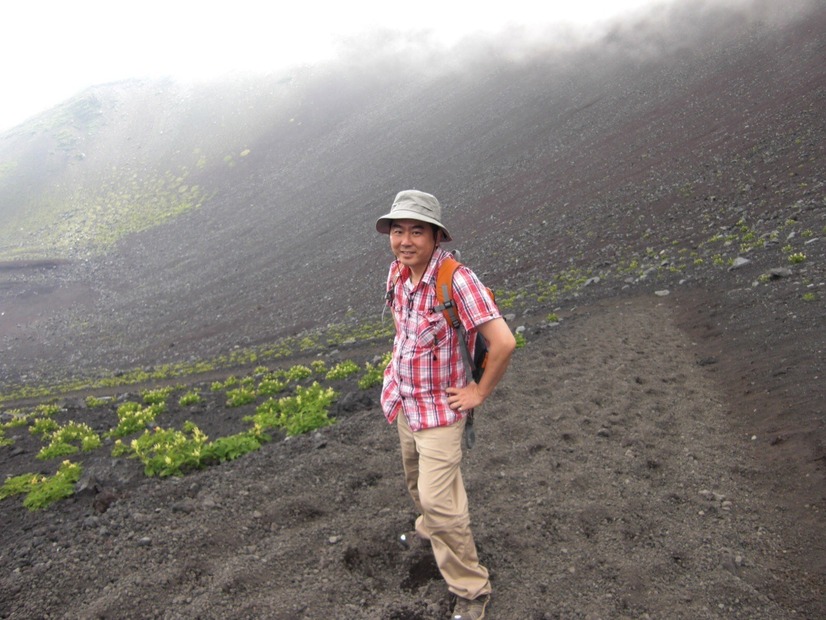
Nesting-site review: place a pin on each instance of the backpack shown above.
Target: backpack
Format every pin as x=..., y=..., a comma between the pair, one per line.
x=447, y=306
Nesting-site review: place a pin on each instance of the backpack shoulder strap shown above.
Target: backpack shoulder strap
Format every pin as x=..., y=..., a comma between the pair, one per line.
x=444, y=291
x=447, y=306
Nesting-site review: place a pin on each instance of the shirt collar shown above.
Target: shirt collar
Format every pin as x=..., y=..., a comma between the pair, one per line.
x=432, y=270
x=430, y=273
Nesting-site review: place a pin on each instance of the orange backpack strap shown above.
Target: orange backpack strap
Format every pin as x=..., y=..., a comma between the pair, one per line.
x=444, y=291
x=447, y=306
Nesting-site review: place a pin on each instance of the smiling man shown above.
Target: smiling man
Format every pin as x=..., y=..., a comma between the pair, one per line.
x=427, y=394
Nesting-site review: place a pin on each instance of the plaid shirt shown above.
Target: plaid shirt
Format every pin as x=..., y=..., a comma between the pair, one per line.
x=426, y=355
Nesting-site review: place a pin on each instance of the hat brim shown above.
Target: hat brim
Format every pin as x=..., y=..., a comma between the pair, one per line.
x=383, y=223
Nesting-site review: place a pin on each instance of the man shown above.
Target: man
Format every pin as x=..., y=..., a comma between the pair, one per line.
x=425, y=390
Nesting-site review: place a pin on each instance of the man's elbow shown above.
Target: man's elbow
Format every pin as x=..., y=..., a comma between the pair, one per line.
x=505, y=344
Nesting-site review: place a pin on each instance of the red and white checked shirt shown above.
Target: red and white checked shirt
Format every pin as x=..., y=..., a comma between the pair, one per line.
x=426, y=355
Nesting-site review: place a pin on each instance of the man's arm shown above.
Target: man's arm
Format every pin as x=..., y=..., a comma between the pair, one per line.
x=501, y=344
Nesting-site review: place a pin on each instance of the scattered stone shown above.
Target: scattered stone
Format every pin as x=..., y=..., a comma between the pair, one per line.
x=662, y=293
x=780, y=272
x=738, y=263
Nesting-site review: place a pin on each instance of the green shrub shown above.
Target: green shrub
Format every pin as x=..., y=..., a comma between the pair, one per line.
x=374, y=374
x=301, y=413
x=190, y=398
x=231, y=447
x=133, y=418
x=43, y=427
x=62, y=441
x=168, y=452
x=342, y=370
x=298, y=373
x=41, y=491
x=157, y=396
x=92, y=402
x=307, y=410
x=18, y=418
x=270, y=386
x=47, y=410
x=17, y=485
x=240, y=396
x=49, y=490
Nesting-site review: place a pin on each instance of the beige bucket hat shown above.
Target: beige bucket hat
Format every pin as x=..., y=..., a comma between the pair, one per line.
x=411, y=204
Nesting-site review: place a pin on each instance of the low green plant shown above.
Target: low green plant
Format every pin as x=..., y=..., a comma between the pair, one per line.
x=47, y=490
x=241, y=396
x=231, y=447
x=18, y=418
x=374, y=374
x=270, y=386
x=190, y=398
x=228, y=383
x=319, y=367
x=342, y=370
x=552, y=318
x=93, y=402
x=797, y=258
x=307, y=344
x=168, y=452
x=43, y=427
x=809, y=296
x=17, y=485
x=298, y=373
x=47, y=409
x=132, y=417
x=156, y=396
x=62, y=441
x=305, y=411
x=4, y=441
x=42, y=491
x=520, y=340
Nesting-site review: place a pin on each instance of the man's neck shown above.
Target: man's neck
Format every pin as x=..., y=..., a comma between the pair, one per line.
x=415, y=277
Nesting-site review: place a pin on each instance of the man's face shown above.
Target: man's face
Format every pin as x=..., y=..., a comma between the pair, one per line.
x=412, y=242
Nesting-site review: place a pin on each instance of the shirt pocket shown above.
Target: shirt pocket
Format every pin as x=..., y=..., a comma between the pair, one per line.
x=432, y=333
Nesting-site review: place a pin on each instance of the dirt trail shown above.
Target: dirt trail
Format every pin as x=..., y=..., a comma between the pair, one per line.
x=609, y=481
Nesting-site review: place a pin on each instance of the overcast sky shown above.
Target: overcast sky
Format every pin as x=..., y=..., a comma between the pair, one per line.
x=54, y=49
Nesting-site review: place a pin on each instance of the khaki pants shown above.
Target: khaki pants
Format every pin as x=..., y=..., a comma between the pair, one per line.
x=431, y=460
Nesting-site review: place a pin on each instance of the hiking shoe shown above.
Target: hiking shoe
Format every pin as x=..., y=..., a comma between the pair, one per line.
x=470, y=609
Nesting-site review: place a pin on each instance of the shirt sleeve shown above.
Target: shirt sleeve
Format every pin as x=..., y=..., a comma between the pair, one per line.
x=474, y=303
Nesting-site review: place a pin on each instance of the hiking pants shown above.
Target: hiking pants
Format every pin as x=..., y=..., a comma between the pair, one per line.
x=431, y=460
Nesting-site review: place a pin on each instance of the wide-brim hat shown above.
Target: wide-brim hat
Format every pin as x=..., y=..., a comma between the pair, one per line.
x=411, y=204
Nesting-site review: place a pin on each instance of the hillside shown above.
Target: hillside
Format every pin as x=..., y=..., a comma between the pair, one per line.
x=661, y=191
